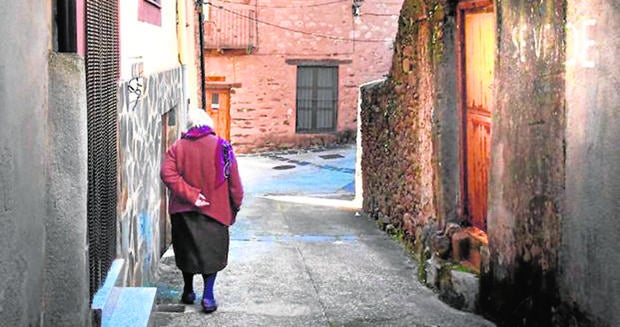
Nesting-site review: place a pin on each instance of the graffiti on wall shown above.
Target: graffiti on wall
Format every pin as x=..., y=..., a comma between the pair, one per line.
x=541, y=42
x=140, y=151
x=581, y=47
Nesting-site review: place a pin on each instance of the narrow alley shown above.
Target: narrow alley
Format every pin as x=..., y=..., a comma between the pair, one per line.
x=308, y=264
x=405, y=163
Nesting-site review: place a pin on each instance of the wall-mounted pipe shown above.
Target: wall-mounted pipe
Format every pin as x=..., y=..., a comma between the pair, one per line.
x=66, y=21
x=203, y=95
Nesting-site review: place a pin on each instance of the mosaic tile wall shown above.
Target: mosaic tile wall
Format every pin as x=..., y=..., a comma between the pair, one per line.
x=142, y=220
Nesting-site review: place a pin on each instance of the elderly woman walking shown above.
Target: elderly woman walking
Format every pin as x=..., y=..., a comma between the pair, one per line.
x=206, y=193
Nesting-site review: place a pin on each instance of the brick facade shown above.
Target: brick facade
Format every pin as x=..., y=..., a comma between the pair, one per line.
x=263, y=108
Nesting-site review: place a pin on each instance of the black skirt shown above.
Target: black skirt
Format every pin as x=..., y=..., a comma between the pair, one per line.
x=200, y=243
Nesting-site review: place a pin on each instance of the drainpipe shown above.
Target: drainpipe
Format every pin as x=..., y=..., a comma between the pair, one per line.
x=202, y=53
x=67, y=29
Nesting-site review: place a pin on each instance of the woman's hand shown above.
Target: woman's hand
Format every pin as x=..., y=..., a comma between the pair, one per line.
x=201, y=201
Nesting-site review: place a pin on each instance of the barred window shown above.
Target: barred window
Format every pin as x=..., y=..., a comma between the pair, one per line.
x=317, y=99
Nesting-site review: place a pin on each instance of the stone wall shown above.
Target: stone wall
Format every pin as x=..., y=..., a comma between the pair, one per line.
x=141, y=215
x=397, y=130
x=410, y=137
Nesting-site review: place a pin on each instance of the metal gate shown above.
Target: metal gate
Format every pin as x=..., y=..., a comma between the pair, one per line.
x=101, y=91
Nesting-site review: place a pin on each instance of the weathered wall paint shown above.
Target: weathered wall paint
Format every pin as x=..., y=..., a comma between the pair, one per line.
x=263, y=109
x=66, y=274
x=526, y=186
x=43, y=275
x=23, y=160
x=140, y=197
x=589, y=259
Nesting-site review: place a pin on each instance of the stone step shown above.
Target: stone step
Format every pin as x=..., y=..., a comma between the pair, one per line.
x=131, y=307
x=115, y=306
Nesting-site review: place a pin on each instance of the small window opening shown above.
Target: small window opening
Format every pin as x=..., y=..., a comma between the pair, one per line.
x=215, y=101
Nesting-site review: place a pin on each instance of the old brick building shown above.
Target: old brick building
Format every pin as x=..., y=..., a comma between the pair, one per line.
x=287, y=73
x=498, y=131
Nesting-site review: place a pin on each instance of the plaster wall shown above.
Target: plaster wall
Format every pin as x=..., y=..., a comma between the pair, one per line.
x=590, y=227
x=155, y=46
x=23, y=161
x=526, y=176
x=263, y=109
x=66, y=274
x=140, y=153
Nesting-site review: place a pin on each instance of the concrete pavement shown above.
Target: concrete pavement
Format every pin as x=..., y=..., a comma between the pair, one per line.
x=308, y=264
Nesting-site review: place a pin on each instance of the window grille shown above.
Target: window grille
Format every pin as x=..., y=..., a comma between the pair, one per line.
x=317, y=99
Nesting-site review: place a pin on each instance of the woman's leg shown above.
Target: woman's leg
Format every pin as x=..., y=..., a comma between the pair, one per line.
x=208, y=298
x=188, y=296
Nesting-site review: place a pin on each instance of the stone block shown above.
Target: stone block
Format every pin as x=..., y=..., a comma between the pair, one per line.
x=441, y=245
x=431, y=268
x=452, y=228
x=465, y=286
x=485, y=259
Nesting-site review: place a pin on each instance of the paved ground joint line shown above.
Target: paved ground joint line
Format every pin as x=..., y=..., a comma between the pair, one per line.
x=314, y=285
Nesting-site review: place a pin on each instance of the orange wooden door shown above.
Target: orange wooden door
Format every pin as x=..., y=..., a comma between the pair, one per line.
x=218, y=107
x=478, y=54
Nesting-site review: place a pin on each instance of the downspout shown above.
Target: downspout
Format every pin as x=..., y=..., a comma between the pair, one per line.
x=67, y=29
x=202, y=53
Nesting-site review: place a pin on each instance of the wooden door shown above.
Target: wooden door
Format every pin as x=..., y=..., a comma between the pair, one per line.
x=477, y=26
x=218, y=107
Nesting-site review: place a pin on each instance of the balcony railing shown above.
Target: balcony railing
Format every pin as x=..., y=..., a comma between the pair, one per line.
x=227, y=29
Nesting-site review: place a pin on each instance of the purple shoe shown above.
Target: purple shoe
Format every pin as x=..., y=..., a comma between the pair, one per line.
x=208, y=305
x=188, y=298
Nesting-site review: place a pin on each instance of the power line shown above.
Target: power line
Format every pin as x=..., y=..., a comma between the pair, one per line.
x=377, y=14
x=331, y=37
x=293, y=6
